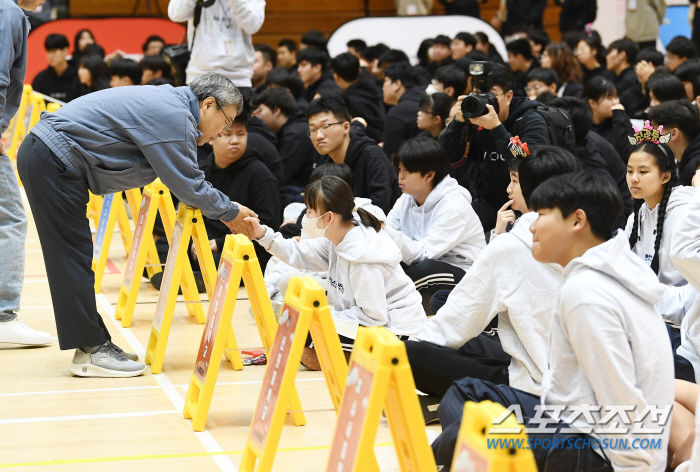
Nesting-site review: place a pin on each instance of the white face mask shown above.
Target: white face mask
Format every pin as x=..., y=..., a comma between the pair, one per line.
x=310, y=227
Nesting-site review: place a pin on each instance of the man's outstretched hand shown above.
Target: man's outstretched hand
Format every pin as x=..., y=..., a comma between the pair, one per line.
x=238, y=226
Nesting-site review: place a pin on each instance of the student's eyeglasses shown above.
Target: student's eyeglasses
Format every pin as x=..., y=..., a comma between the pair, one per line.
x=533, y=88
x=228, y=120
x=312, y=132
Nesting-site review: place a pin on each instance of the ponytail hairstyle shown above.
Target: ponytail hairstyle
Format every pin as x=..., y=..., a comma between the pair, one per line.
x=331, y=193
x=663, y=157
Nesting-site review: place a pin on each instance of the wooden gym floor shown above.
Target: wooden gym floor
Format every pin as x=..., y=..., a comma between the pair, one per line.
x=54, y=422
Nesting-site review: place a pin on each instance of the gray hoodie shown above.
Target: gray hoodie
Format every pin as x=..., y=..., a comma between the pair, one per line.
x=505, y=281
x=366, y=284
x=609, y=347
x=125, y=137
x=14, y=28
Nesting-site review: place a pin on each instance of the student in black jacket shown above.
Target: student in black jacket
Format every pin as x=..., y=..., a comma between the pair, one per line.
x=329, y=128
x=484, y=169
x=401, y=90
x=596, y=154
x=278, y=109
x=521, y=61
x=59, y=80
x=608, y=117
x=682, y=120
x=312, y=67
x=621, y=55
x=364, y=97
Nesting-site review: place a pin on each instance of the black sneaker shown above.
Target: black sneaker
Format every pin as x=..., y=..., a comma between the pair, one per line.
x=429, y=405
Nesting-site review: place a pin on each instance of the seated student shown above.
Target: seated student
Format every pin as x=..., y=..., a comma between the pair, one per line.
x=312, y=65
x=679, y=50
x=401, y=90
x=607, y=346
x=238, y=172
x=265, y=61
x=124, y=72
x=278, y=109
x=483, y=45
x=441, y=53
x=356, y=46
x=560, y=58
x=540, y=80
x=608, y=117
x=664, y=87
x=433, y=222
x=688, y=72
x=450, y=80
x=461, y=45
x=363, y=94
x=329, y=129
x=595, y=154
x=589, y=54
x=636, y=99
x=93, y=73
x=659, y=204
x=367, y=286
x=153, y=46
x=314, y=39
x=539, y=39
x=155, y=67
x=290, y=80
x=682, y=120
x=450, y=346
x=621, y=55
x=287, y=54
x=59, y=80
x=521, y=61
x=433, y=114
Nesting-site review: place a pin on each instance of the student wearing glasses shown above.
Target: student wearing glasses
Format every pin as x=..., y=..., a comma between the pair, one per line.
x=107, y=142
x=330, y=132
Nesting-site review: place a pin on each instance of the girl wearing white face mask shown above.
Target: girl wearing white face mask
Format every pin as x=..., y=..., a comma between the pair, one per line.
x=367, y=286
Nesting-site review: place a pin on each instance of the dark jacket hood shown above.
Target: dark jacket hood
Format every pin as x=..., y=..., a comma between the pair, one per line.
x=366, y=86
x=519, y=106
x=258, y=126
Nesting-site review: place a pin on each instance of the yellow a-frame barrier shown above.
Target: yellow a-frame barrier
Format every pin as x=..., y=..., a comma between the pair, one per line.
x=189, y=225
x=20, y=128
x=380, y=377
x=472, y=452
x=153, y=265
x=238, y=260
x=156, y=199
x=305, y=311
x=113, y=212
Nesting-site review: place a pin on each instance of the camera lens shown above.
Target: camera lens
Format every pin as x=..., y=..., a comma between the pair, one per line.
x=473, y=106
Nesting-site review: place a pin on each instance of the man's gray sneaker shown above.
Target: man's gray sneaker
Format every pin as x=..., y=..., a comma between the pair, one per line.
x=106, y=362
x=129, y=355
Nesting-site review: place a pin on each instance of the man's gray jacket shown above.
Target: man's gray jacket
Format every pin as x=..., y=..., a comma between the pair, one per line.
x=14, y=29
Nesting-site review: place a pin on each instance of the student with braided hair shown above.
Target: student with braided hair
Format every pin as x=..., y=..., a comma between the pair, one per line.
x=652, y=177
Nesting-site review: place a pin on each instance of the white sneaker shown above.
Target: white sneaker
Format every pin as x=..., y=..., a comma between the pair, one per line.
x=16, y=332
x=106, y=362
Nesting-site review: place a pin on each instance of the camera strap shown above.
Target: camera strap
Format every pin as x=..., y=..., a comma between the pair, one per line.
x=463, y=160
x=198, y=16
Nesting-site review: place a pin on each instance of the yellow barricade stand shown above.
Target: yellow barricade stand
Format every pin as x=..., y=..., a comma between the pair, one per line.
x=189, y=224
x=153, y=265
x=472, y=452
x=113, y=211
x=94, y=209
x=305, y=311
x=380, y=377
x=238, y=260
x=20, y=129
x=52, y=107
x=156, y=199
x=38, y=105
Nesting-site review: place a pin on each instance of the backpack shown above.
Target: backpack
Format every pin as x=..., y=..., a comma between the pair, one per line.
x=560, y=128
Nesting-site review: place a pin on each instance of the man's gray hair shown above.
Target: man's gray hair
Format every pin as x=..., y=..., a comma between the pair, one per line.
x=222, y=89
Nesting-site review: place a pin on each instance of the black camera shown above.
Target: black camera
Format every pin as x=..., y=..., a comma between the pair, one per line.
x=475, y=103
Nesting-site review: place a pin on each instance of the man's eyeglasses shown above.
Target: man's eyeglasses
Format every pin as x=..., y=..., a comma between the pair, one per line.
x=229, y=121
x=312, y=132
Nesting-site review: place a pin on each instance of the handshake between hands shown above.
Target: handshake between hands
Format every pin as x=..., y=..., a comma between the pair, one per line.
x=246, y=223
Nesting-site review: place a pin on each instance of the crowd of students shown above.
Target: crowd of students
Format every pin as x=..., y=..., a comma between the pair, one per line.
x=555, y=243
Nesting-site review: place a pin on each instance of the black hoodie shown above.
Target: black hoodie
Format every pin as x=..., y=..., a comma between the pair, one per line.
x=598, y=156
x=400, y=124
x=365, y=100
x=249, y=182
x=626, y=80
x=616, y=131
x=265, y=142
x=65, y=87
x=296, y=150
x=689, y=161
x=485, y=173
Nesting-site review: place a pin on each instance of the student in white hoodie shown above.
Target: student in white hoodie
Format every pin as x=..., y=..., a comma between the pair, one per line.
x=652, y=177
x=367, y=286
x=607, y=349
x=433, y=222
x=222, y=40
x=505, y=283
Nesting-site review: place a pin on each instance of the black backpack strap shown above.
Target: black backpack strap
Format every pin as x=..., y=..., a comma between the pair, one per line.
x=198, y=15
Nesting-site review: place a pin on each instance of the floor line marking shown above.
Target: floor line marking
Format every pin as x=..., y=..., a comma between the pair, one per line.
x=87, y=417
x=204, y=437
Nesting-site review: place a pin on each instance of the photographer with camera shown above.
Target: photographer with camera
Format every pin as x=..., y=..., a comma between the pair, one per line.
x=478, y=141
x=219, y=37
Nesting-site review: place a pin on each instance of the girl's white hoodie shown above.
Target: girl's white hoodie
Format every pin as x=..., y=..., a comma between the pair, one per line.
x=679, y=295
x=505, y=281
x=444, y=228
x=609, y=348
x=366, y=283
x=223, y=41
